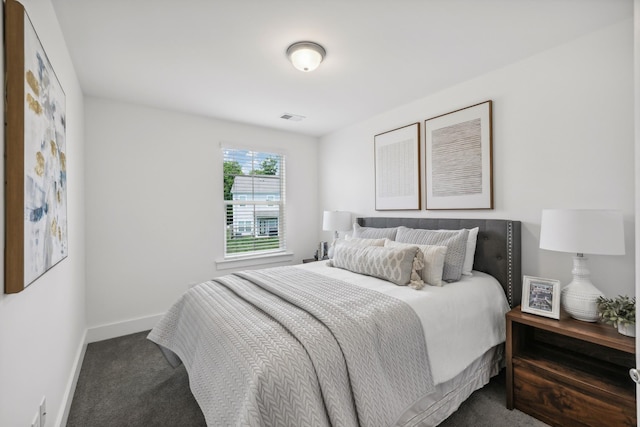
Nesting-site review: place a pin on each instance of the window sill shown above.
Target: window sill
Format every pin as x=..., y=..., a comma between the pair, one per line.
x=251, y=261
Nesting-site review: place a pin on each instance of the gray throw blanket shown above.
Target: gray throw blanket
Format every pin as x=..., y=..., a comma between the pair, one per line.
x=288, y=347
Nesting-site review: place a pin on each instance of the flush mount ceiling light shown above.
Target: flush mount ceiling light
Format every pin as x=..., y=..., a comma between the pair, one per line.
x=306, y=56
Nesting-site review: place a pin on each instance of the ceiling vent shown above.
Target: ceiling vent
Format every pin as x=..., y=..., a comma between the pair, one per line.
x=292, y=117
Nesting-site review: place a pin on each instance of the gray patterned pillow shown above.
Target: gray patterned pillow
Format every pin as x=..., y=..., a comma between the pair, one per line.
x=374, y=233
x=455, y=241
x=397, y=265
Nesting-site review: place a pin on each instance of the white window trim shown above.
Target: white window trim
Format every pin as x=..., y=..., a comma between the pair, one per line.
x=253, y=260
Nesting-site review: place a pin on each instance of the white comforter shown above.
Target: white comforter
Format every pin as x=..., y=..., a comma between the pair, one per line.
x=460, y=320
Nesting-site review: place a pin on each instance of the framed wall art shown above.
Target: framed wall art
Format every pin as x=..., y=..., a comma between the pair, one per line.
x=541, y=296
x=397, y=169
x=35, y=165
x=459, y=167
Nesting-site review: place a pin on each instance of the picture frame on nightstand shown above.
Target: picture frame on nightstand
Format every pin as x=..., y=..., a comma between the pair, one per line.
x=541, y=296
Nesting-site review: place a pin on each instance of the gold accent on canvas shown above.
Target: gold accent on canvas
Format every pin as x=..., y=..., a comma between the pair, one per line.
x=54, y=227
x=32, y=81
x=34, y=105
x=63, y=162
x=39, y=169
x=54, y=148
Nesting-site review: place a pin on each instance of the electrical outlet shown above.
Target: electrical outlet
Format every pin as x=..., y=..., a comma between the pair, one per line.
x=36, y=420
x=43, y=412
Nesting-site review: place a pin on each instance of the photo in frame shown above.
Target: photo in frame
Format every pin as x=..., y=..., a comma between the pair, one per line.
x=36, y=164
x=397, y=169
x=458, y=159
x=541, y=296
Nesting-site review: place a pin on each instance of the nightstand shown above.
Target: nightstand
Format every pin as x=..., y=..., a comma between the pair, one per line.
x=567, y=372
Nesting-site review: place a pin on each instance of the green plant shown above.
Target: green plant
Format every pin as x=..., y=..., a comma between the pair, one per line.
x=621, y=309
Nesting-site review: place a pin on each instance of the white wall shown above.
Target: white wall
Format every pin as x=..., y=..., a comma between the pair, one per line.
x=563, y=138
x=155, y=221
x=42, y=328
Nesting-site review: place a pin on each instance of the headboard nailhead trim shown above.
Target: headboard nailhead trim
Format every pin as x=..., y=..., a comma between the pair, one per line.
x=510, y=262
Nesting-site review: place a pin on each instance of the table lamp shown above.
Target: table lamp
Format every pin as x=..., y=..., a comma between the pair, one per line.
x=582, y=231
x=336, y=221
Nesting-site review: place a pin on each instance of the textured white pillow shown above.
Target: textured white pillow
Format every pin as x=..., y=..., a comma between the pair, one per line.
x=354, y=241
x=361, y=241
x=396, y=265
x=433, y=255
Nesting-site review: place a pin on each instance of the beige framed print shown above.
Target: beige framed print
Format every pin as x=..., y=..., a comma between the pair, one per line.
x=459, y=168
x=397, y=169
x=541, y=296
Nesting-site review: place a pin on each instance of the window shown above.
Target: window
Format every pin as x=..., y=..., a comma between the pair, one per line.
x=254, y=201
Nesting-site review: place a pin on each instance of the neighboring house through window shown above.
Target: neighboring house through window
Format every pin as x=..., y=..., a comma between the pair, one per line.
x=254, y=202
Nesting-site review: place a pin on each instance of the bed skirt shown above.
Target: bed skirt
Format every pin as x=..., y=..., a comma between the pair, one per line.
x=448, y=396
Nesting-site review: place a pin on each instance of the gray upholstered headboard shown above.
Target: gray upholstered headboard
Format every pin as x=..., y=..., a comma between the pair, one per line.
x=498, y=250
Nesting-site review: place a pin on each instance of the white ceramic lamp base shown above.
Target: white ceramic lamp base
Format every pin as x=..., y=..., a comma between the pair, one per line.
x=580, y=297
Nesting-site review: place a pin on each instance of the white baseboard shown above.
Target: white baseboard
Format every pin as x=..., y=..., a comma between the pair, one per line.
x=118, y=329
x=67, y=398
x=99, y=333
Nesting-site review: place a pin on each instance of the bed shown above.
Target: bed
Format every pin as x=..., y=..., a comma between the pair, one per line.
x=324, y=344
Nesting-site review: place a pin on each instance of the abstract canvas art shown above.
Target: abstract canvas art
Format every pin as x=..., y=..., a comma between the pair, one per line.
x=36, y=164
x=459, y=159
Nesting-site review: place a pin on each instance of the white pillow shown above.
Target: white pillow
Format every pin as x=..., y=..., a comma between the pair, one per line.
x=433, y=258
x=471, y=251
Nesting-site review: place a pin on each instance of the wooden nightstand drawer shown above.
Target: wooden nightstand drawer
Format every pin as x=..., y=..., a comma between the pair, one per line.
x=569, y=373
x=549, y=398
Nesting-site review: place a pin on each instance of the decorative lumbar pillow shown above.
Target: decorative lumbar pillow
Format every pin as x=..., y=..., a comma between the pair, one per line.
x=455, y=241
x=433, y=256
x=374, y=233
x=397, y=265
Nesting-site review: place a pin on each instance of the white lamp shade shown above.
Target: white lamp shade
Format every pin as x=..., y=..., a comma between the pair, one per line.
x=582, y=231
x=336, y=221
x=306, y=56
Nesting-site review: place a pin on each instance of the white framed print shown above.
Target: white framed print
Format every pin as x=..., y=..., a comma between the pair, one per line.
x=541, y=296
x=458, y=158
x=397, y=169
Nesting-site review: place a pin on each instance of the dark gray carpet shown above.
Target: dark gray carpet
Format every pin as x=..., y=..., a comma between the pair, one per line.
x=126, y=381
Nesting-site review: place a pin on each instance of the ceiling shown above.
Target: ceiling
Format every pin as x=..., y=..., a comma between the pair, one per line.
x=226, y=58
